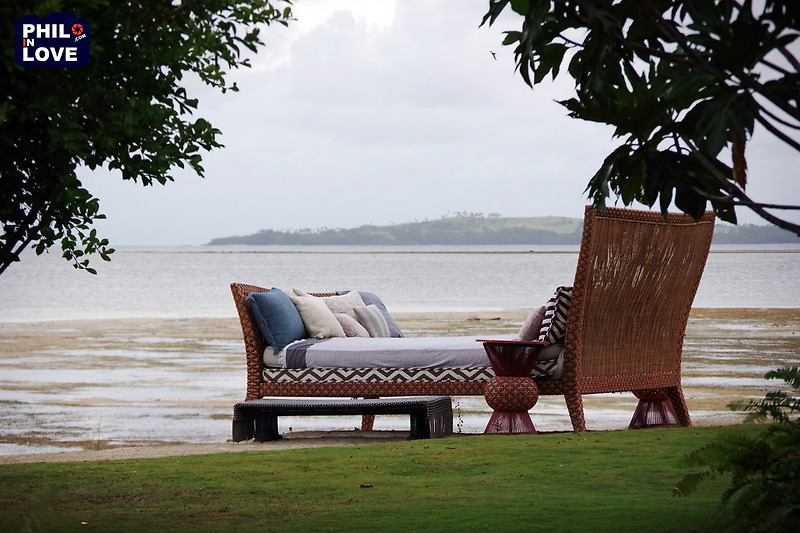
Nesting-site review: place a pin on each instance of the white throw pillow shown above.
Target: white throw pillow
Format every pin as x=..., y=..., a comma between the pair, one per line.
x=344, y=303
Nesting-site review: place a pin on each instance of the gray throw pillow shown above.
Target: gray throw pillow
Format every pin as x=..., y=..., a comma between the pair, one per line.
x=373, y=321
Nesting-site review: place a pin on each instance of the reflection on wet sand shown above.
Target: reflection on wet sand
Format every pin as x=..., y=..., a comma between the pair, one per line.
x=108, y=383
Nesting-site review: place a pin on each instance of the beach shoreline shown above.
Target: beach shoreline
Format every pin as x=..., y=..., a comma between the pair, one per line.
x=190, y=372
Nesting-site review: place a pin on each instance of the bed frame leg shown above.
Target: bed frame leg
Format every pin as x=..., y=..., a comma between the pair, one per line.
x=367, y=421
x=420, y=427
x=266, y=428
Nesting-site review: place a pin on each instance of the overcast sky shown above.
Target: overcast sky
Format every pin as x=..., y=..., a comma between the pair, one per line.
x=380, y=112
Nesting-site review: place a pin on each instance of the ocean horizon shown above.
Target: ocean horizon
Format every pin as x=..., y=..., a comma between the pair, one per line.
x=193, y=281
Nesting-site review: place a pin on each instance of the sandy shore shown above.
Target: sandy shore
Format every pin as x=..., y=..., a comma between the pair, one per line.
x=134, y=388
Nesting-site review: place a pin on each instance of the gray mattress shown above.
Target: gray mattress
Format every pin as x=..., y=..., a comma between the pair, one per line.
x=391, y=352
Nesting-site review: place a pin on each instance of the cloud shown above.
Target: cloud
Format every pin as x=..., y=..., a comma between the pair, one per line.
x=370, y=113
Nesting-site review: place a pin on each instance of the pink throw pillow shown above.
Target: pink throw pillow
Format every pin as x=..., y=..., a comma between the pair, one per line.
x=530, y=328
x=351, y=326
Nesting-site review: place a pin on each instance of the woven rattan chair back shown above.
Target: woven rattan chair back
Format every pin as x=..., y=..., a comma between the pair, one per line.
x=635, y=282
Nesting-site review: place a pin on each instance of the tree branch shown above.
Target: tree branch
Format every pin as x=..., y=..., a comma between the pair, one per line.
x=570, y=41
x=753, y=84
x=776, y=68
x=660, y=54
x=12, y=256
x=732, y=200
x=789, y=57
x=777, y=133
x=671, y=33
x=746, y=80
x=737, y=193
x=779, y=120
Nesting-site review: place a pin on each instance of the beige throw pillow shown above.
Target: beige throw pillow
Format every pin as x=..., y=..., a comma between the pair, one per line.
x=317, y=318
x=344, y=303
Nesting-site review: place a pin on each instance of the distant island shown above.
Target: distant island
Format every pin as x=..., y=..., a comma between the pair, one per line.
x=478, y=229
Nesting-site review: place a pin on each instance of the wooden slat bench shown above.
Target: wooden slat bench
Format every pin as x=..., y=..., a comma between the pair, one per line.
x=431, y=416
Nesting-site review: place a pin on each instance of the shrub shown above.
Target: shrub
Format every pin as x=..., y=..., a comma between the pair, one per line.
x=764, y=494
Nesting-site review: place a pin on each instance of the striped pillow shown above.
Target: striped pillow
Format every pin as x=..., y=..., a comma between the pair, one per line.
x=372, y=319
x=554, y=324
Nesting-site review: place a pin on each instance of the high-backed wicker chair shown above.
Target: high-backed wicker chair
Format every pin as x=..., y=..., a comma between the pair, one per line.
x=636, y=279
x=635, y=282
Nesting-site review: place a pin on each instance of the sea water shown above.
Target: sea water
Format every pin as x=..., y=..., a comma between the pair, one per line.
x=194, y=281
x=187, y=397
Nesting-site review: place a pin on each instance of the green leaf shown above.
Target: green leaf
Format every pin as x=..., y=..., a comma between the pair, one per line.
x=512, y=37
x=496, y=7
x=521, y=6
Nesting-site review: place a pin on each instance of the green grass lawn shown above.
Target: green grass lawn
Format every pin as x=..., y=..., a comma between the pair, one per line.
x=599, y=481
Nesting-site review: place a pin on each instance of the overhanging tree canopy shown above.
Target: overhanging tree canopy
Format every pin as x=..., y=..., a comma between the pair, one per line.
x=683, y=82
x=127, y=109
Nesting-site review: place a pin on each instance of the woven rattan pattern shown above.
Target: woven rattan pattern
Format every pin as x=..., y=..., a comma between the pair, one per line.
x=636, y=279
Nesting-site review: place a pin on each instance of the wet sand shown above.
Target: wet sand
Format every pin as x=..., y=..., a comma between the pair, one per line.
x=108, y=389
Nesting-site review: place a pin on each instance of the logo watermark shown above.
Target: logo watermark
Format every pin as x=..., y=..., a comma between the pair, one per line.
x=59, y=40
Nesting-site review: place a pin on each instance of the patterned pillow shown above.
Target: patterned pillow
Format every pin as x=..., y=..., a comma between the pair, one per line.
x=554, y=324
x=373, y=299
x=351, y=326
x=532, y=326
x=371, y=317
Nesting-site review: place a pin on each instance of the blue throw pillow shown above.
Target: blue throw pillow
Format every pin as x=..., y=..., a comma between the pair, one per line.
x=278, y=319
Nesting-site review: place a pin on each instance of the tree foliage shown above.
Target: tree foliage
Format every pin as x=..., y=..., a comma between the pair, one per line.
x=683, y=83
x=764, y=493
x=128, y=109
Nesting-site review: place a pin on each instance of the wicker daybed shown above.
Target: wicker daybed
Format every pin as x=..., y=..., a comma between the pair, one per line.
x=636, y=278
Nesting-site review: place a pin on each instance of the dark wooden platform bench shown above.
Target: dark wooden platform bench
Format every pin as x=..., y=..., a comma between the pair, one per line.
x=431, y=416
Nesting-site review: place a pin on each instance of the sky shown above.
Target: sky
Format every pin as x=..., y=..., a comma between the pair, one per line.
x=383, y=112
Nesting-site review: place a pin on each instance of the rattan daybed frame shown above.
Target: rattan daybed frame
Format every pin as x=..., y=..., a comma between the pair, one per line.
x=636, y=278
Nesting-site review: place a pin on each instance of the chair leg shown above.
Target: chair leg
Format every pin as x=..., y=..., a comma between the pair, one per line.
x=575, y=406
x=679, y=403
x=655, y=409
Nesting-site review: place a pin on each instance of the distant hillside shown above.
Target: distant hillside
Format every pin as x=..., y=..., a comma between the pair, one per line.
x=752, y=234
x=476, y=229
x=463, y=229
